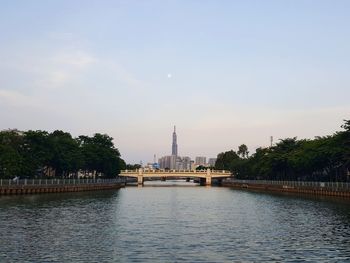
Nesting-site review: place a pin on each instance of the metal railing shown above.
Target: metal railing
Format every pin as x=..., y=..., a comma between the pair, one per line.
x=175, y=171
x=56, y=182
x=327, y=185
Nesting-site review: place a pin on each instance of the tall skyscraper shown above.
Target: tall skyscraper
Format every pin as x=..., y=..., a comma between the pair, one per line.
x=174, y=146
x=173, y=161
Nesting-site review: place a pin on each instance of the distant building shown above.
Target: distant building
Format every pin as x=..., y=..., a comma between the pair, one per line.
x=200, y=160
x=165, y=162
x=193, y=166
x=211, y=162
x=186, y=163
x=173, y=161
x=174, y=145
x=152, y=166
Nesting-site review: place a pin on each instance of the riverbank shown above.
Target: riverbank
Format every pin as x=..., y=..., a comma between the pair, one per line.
x=335, y=189
x=38, y=186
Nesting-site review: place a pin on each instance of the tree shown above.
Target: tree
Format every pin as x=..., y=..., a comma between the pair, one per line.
x=321, y=159
x=243, y=151
x=133, y=166
x=66, y=156
x=100, y=155
x=11, y=157
x=226, y=160
x=346, y=125
x=201, y=167
x=37, y=152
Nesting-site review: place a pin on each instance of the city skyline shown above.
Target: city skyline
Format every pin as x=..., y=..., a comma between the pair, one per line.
x=176, y=162
x=226, y=74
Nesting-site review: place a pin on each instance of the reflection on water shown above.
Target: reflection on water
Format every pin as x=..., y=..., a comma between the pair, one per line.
x=181, y=222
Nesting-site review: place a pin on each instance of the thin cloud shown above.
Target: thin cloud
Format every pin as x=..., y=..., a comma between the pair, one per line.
x=78, y=59
x=15, y=98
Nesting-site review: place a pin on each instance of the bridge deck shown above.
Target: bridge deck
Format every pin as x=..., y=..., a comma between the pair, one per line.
x=176, y=173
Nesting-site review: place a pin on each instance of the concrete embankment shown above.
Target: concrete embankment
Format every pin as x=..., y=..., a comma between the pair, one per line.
x=310, y=188
x=56, y=186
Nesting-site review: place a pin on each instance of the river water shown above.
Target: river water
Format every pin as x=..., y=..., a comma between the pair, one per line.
x=173, y=222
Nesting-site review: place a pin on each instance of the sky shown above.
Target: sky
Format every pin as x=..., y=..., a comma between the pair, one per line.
x=224, y=72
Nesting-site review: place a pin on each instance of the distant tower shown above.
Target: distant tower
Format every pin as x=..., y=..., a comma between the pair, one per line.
x=174, y=146
x=271, y=141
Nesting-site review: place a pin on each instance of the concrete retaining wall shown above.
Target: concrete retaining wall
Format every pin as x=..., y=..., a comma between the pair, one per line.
x=37, y=189
x=289, y=189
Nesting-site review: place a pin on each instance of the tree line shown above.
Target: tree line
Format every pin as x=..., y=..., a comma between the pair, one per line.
x=34, y=154
x=321, y=159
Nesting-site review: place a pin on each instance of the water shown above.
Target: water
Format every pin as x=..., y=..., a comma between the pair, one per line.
x=185, y=223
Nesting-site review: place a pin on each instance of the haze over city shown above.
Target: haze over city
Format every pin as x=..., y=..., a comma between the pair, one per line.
x=225, y=73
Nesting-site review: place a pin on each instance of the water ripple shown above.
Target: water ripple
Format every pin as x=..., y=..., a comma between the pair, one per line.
x=173, y=224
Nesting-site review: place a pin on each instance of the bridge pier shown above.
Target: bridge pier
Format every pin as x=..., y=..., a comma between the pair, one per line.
x=208, y=177
x=140, y=180
x=208, y=180
x=140, y=177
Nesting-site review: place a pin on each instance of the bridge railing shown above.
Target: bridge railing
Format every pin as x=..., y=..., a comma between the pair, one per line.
x=175, y=171
x=52, y=182
x=326, y=185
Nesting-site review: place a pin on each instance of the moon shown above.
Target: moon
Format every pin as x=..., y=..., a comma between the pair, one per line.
x=169, y=75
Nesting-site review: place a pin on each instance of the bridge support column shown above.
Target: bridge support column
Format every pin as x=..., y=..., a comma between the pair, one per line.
x=140, y=180
x=208, y=177
x=140, y=177
x=208, y=180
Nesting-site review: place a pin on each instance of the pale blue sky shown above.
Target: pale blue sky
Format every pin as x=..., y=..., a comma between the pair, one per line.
x=240, y=71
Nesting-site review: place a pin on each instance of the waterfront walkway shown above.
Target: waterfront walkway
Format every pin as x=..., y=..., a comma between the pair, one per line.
x=31, y=186
x=339, y=189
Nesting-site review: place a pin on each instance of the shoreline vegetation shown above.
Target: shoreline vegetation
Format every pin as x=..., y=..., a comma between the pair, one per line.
x=40, y=154
x=323, y=159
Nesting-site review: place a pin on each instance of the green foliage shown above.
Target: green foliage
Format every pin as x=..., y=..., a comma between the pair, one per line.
x=34, y=153
x=201, y=167
x=243, y=151
x=322, y=159
x=11, y=157
x=133, y=166
x=346, y=125
x=66, y=155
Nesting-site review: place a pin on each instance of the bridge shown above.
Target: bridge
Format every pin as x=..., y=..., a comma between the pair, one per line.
x=204, y=176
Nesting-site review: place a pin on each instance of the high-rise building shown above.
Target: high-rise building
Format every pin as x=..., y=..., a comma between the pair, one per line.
x=169, y=162
x=173, y=161
x=200, y=160
x=211, y=162
x=186, y=163
x=174, y=145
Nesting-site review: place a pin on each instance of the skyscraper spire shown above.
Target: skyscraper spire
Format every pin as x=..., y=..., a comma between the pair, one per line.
x=174, y=145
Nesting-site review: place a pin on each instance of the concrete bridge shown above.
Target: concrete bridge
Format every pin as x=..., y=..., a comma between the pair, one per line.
x=204, y=176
